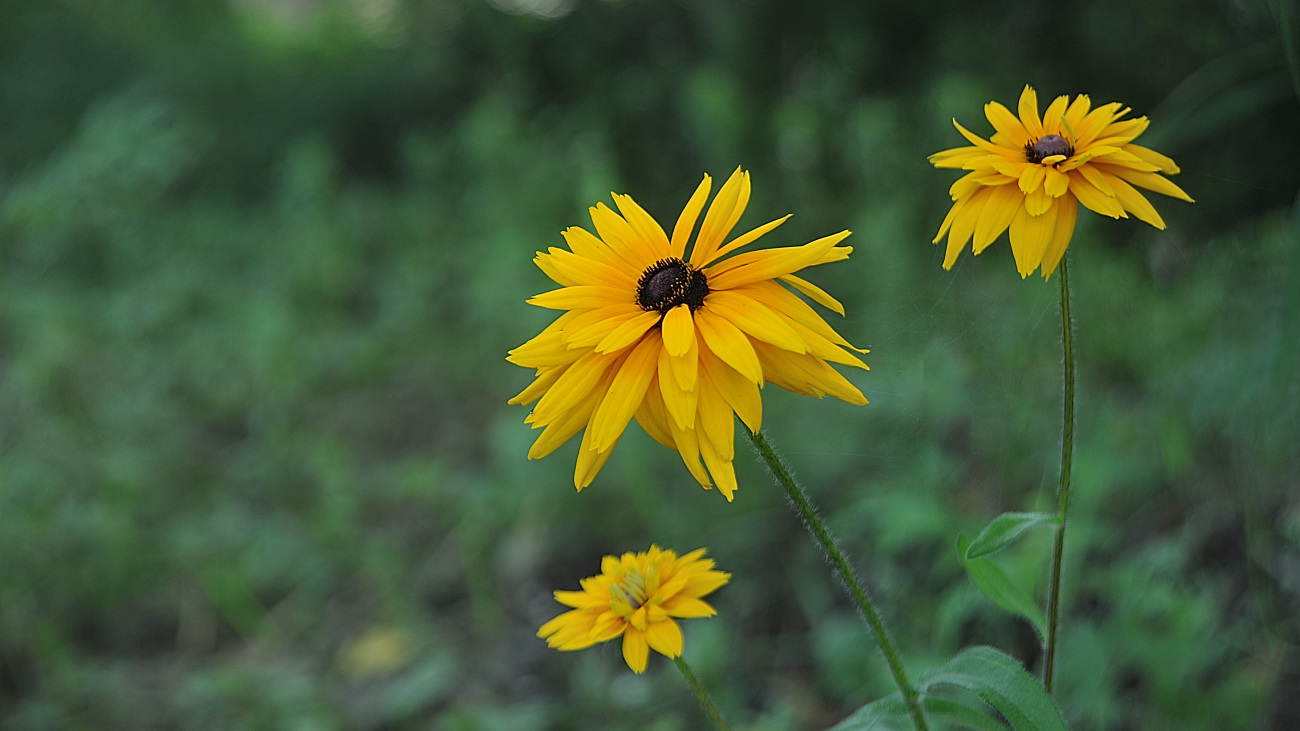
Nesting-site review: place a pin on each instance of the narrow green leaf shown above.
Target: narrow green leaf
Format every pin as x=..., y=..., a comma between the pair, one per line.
x=1000, y=589
x=890, y=713
x=1004, y=529
x=1001, y=682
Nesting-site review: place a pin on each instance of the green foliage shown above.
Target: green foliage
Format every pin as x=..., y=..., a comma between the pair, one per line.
x=260, y=264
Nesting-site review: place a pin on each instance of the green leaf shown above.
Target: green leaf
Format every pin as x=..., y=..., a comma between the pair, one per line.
x=1004, y=529
x=1000, y=589
x=1001, y=682
x=890, y=712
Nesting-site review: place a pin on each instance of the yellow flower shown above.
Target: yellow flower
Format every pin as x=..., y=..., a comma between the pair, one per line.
x=1073, y=154
x=679, y=344
x=637, y=596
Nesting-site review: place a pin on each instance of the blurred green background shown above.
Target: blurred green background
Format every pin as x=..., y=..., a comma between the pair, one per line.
x=261, y=260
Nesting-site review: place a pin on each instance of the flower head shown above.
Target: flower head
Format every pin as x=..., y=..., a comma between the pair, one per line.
x=1073, y=154
x=677, y=342
x=638, y=596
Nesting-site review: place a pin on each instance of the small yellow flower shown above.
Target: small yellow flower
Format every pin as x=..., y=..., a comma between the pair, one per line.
x=1073, y=154
x=638, y=596
x=678, y=343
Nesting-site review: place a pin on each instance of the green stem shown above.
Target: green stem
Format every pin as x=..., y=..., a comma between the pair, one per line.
x=1063, y=494
x=703, y=695
x=823, y=536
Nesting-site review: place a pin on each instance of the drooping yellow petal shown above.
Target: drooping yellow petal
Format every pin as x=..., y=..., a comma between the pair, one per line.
x=636, y=651
x=1065, y=219
x=731, y=345
x=815, y=293
x=740, y=393
x=1165, y=163
x=678, y=330
x=625, y=393
x=1135, y=203
x=1030, y=235
x=679, y=400
x=1151, y=181
x=665, y=638
x=996, y=215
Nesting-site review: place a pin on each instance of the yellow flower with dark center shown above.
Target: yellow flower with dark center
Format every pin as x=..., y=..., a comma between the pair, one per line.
x=678, y=343
x=638, y=596
x=1032, y=174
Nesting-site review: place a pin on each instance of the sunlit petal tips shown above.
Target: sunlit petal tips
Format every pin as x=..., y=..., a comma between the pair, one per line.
x=681, y=341
x=1030, y=177
x=638, y=596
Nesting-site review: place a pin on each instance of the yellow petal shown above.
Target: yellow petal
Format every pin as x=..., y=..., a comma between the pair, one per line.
x=731, y=345
x=647, y=229
x=1087, y=193
x=1151, y=181
x=1052, y=124
x=1001, y=207
x=686, y=221
x=1029, y=237
x=628, y=332
x=741, y=394
x=716, y=421
x=1037, y=202
x=815, y=293
x=751, y=236
x=721, y=469
x=1031, y=178
x=770, y=263
x=722, y=216
x=581, y=297
x=665, y=638
x=679, y=400
x=654, y=420
x=688, y=607
x=1056, y=183
x=678, y=330
x=1165, y=163
x=1006, y=123
x=1028, y=109
x=1135, y=203
x=625, y=393
x=636, y=651
x=755, y=319
x=1065, y=219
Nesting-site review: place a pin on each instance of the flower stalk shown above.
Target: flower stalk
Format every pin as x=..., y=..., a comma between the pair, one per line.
x=1063, y=492
x=804, y=506
x=702, y=694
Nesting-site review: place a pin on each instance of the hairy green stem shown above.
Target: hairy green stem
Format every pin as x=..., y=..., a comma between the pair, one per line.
x=703, y=695
x=1063, y=493
x=815, y=526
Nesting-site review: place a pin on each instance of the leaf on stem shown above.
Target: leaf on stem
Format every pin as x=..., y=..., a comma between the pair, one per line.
x=1000, y=681
x=993, y=582
x=1005, y=529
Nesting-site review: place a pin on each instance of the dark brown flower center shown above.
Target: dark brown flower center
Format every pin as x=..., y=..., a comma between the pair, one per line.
x=671, y=282
x=1050, y=145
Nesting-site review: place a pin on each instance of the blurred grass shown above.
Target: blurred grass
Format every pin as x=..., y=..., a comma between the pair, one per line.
x=260, y=263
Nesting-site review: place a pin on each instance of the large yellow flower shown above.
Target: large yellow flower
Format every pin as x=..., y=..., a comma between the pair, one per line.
x=1073, y=154
x=637, y=596
x=678, y=343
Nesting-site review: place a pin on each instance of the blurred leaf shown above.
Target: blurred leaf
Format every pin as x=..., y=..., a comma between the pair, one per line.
x=1004, y=529
x=892, y=712
x=993, y=582
x=1001, y=681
